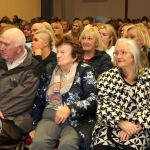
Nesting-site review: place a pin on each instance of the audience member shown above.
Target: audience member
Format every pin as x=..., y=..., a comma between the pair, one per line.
x=109, y=37
x=37, y=26
x=19, y=84
x=42, y=47
x=58, y=30
x=139, y=33
x=27, y=32
x=75, y=31
x=65, y=25
x=71, y=102
x=123, y=107
x=93, y=55
x=87, y=20
x=122, y=29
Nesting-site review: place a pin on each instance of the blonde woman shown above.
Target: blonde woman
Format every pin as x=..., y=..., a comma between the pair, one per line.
x=54, y=39
x=75, y=31
x=93, y=54
x=109, y=37
x=139, y=33
x=122, y=29
x=42, y=47
x=58, y=30
x=42, y=51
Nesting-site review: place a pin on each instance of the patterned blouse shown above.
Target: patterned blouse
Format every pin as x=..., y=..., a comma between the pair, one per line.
x=81, y=97
x=119, y=100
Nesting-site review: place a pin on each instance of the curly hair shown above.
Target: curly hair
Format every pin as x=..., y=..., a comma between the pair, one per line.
x=77, y=51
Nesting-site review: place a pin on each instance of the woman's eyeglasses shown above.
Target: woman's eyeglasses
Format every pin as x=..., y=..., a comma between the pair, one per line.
x=122, y=53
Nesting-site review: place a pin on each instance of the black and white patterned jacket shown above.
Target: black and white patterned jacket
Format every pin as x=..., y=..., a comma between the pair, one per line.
x=119, y=100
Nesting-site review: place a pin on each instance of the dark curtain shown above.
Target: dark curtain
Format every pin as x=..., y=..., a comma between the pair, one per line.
x=47, y=9
x=126, y=9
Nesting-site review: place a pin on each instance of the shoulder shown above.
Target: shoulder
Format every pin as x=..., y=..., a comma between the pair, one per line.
x=110, y=74
x=82, y=66
x=30, y=60
x=145, y=74
x=102, y=55
x=86, y=72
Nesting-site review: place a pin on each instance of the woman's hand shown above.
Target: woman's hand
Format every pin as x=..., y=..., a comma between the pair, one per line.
x=32, y=134
x=123, y=136
x=37, y=51
x=129, y=128
x=62, y=114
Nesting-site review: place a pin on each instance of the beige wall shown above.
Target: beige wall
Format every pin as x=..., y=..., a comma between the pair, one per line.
x=57, y=8
x=69, y=9
x=139, y=8
x=26, y=9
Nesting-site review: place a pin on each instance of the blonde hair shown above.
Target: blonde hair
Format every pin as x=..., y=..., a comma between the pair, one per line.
x=122, y=29
x=92, y=31
x=45, y=35
x=111, y=31
x=79, y=22
x=58, y=25
x=143, y=34
x=48, y=27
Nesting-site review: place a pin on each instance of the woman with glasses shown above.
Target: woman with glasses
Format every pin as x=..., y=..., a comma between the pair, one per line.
x=124, y=102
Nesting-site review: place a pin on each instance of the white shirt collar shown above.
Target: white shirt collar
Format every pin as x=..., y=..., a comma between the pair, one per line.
x=15, y=63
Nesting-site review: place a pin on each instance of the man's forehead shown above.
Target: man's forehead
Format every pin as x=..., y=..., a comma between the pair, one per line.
x=12, y=32
x=4, y=38
x=8, y=33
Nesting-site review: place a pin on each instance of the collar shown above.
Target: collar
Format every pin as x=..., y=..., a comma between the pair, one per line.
x=15, y=63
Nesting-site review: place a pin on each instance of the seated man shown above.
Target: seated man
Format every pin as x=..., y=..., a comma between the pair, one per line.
x=18, y=86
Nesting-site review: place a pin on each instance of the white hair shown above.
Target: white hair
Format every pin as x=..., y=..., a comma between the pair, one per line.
x=135, y=51
x=17, y=35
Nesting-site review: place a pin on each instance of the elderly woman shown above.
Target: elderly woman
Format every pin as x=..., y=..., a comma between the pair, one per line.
x=71, y=102
x=124, y=102
x=94, y=54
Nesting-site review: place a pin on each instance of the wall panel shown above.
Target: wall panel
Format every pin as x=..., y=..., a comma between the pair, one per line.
x=26, y=9
x=69, y=9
